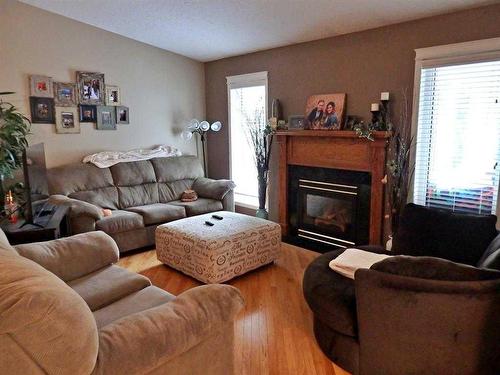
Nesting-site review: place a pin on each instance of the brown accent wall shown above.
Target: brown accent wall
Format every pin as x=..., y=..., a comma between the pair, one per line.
x=361, y=64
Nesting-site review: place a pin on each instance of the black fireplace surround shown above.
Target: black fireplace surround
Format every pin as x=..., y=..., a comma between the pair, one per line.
x=328, y=208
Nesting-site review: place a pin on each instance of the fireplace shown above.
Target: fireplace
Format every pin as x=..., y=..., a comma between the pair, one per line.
x=328, y=208
x=341, y=198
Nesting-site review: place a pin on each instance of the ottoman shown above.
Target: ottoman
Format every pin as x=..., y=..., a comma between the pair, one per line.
x=214, y=254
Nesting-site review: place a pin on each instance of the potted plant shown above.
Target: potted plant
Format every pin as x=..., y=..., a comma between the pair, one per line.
x=14, y=129
x=260, y=136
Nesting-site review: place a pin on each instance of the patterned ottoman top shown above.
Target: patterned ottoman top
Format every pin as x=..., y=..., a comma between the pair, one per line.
x=231, y=224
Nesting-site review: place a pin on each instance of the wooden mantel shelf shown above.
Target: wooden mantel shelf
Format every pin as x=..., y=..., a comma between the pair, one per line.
x=330, y=133
x=336, y=150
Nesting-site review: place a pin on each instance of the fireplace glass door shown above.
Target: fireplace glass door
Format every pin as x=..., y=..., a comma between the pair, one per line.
x=327, y=212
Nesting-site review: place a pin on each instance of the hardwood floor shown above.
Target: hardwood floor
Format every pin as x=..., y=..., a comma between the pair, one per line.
x=273, y=333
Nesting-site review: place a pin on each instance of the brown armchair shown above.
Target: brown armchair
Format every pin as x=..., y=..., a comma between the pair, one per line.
x=422, y=313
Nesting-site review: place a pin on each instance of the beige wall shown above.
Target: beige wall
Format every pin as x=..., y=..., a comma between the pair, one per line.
x=361, y=64
x=163, y=90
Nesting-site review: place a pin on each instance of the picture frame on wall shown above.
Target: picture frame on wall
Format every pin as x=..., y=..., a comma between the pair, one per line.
x=113, y=95
x=122, y=115
x=106, y=118
x=91, y=89
x=88, y=113
x=41, y=86
x=296, y=122
x=42, y=110
x=64, y=94
x=67, y=120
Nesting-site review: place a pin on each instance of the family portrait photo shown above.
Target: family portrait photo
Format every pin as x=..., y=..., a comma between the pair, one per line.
x=325, y=112
x=91, y=88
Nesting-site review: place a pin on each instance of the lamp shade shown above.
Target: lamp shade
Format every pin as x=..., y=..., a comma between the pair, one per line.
x=204, y=125
x=187, y=135
x=216, y=126
x=193, y=124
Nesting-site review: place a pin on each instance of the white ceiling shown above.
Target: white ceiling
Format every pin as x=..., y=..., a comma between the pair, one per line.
x=212, y=29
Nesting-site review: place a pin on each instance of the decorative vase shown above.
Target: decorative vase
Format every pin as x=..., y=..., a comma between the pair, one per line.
x=262, y=212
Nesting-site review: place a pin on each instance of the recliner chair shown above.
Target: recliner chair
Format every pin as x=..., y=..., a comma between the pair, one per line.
x=433, y=309
x=66, y=309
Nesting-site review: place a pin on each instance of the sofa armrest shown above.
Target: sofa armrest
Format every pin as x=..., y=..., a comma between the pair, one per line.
x=78, y=208
x=146, y=340
x=213, y=189
x=73, y=257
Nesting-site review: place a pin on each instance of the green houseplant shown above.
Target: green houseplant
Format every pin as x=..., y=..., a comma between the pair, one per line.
x=14, y=129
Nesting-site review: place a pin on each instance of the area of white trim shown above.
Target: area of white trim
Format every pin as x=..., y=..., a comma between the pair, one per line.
x=468, y=49
x=247, y=80
x=239, y=81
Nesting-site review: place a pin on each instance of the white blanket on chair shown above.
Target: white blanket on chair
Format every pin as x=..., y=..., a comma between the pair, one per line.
x=108, y=158
x=352, y=259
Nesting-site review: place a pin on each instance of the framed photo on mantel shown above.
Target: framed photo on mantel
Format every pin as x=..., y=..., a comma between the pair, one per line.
x=325, y=112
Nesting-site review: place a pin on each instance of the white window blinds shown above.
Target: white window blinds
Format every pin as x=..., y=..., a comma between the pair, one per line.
x=458, y=137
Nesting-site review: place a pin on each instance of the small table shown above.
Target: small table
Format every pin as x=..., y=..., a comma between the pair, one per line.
x=54, y=225
x=214, y=254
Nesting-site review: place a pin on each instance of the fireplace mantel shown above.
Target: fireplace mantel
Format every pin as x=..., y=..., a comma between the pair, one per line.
x=337, y=150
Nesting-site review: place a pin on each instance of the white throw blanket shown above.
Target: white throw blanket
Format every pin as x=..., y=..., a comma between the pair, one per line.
x=108, y=158
x=352, y=259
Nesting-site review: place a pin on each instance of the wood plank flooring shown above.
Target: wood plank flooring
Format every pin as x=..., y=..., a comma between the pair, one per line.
x=273, y=333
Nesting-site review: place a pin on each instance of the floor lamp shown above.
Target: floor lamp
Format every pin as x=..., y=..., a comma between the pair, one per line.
x=201, y=128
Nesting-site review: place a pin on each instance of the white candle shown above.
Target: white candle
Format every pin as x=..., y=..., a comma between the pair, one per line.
x=384, y=96
x=375, y=107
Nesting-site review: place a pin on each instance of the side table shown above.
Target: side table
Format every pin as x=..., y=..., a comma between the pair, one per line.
x=53, y=226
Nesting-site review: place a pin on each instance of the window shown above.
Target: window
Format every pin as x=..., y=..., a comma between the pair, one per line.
x=247, y=99
x=458, y=132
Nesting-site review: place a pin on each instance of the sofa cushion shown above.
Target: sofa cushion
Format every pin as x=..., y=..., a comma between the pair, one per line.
x=199, y=206
x=172, y=191
x=41, y=317
x=491, y=257
x=177, y=168
x=461, y=238
x=141, y=300
x=138, y=195
x=107, y=285
x=330, y=295
x=157, y=213
x=120, y=221
x=214, y=189
x=133, y=173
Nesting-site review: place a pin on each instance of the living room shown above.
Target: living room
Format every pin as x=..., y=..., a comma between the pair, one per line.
x=219, y=187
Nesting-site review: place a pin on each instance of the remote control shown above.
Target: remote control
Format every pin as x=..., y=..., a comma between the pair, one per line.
x=217, y=217
x=209, y=223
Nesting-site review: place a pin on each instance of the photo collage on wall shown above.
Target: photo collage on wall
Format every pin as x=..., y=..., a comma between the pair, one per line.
x=66, y=105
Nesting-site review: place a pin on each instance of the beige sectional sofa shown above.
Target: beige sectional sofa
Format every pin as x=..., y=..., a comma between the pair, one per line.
x=141, y=195
x=66, y=309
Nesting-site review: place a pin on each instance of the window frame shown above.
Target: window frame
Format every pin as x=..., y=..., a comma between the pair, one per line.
x=483, y=50
x=242, y=81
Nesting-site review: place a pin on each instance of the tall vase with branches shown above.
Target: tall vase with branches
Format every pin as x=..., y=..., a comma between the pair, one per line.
x=399, y=166
x=260, y=138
